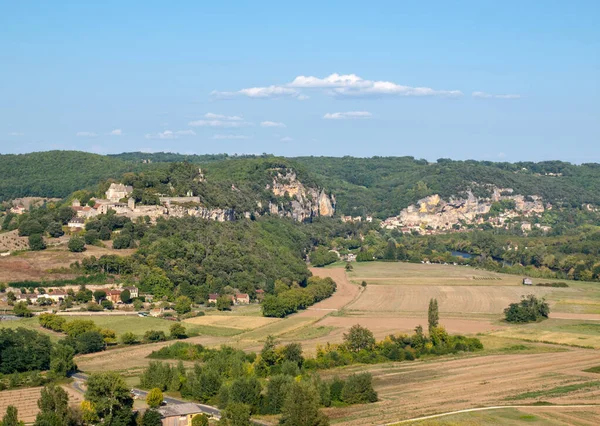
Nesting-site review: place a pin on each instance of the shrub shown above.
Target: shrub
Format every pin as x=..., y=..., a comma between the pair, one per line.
x=358, y=389
x=178, y=331
x=129, y=338
x=89, y=342
x=20, y=309
x=155, y=336
x=36, y=242
x=76, y=244
x=52, y=322
x=154, y=398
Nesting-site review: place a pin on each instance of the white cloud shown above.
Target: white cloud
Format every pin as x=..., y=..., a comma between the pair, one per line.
x=340, y=85
x=116, y=132
x=231, y=137
x=272, y=124
x=353, y=85
x=286, y=139
x=185, y=133
x=16, y=134
x=334, y=80
x=270, y=92
x=86, y=134
x=483, y=95
x=218, y=123
x=169, y=134
x=212, y=116
x=347, y=115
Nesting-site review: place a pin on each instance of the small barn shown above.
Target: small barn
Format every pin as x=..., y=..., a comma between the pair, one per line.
x=527, y=281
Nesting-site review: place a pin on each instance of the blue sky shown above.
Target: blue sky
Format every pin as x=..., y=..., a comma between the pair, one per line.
x=501, y=81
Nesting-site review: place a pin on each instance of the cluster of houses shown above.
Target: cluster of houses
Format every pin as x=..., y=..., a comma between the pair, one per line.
x=236, y=299
x=356, y=219
x=58, y=295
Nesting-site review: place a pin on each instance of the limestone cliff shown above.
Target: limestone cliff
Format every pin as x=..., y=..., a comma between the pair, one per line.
x=305, y=202
x=437, y=214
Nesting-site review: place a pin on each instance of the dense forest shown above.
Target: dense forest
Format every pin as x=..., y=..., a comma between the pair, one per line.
x=381, y=186
x=194, y=257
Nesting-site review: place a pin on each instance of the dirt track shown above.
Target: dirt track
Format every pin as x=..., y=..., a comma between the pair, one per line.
x=345, y=293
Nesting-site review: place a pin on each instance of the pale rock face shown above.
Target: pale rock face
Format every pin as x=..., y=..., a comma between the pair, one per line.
x=439, y=214
x=306, y=202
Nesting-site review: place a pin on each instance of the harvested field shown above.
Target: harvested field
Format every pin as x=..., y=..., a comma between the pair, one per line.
x=382, y=327
x=35, y=265
x=25, y=400
x=134, y=357
x=560, y=331
x=401, y=273
x=415, y=389
x=451, y=299
x=541, y=415
x=232, y=321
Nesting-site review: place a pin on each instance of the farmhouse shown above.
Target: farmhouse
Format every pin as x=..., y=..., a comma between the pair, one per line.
x=31, y=297
x=179, y=414
x=114, y=296
x=242, y=299
x=20, y=209
x=212, y=298
x=76, y=222
x=133, y=291
x=57, y=295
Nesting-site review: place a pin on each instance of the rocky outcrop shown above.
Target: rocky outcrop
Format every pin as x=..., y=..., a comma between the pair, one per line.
x=305, y=202
x=437, y=214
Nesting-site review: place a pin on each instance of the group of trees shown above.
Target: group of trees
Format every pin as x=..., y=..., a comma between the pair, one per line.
x=529, y=309
x=25, y=353
x=83, y=336
x=273, y=382
x=290, y=300
x=360, y=346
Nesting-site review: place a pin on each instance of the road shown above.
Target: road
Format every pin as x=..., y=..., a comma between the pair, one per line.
x=80, y=378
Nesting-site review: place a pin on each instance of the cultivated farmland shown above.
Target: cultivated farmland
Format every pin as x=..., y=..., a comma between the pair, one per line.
x=25, y=400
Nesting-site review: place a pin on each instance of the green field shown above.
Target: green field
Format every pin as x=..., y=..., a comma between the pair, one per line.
x=122, y=324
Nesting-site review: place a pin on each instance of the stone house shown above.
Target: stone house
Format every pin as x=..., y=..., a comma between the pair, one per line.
x=57, y=295
x=114, y=296
x=133, y=291
x=117, y=191
x=212, y=298
x=242, y=299
x=179, y=414
x=76, y=222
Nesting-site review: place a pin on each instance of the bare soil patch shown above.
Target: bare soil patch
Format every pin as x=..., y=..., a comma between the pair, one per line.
x=35, y=265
